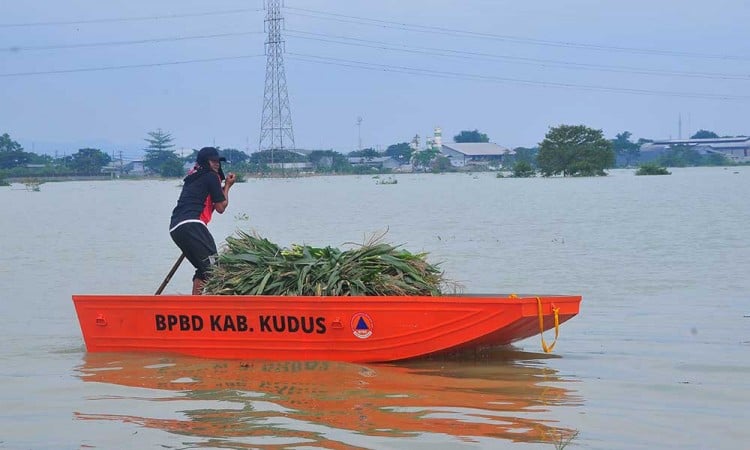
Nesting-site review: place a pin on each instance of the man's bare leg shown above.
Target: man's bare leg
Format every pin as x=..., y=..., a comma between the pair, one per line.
x=198, y=286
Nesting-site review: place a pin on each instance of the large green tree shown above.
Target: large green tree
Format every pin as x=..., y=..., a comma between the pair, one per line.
x=159, y=156
x=470, y=136
x=625, y=148
x=575, y=150
x=11, y=153
x=423, y=159
x=400, y=152
x=89, y=161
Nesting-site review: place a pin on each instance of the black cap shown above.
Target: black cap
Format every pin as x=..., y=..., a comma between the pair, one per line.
x=207, y=154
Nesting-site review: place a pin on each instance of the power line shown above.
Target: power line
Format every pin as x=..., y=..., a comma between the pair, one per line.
x=496, y=79
x=520, y=40
x=380, y=45
x=391, y=68
x=130, y=42
x=126, y=19
x=128, y=66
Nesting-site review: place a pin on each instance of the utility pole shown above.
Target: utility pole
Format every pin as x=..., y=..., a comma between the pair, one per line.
x=276, y=121
x=359, y=133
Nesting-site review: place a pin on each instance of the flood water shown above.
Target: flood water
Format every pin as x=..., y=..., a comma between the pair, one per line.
x=659, y=356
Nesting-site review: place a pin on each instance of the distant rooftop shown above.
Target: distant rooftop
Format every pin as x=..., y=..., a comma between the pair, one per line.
x=479, y=149
x=702, y=141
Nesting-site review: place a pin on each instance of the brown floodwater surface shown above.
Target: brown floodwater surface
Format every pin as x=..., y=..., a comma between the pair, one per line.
x=658, y=358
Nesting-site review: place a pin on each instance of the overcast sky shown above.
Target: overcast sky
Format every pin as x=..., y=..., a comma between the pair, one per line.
x=511, y=69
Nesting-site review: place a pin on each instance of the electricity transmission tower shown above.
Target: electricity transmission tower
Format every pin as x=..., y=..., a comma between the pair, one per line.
x=276, y=121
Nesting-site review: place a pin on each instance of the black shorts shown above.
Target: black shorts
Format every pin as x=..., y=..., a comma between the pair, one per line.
x=198, y=245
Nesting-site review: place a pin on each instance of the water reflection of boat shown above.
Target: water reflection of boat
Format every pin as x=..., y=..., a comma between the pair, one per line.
x=338, y=405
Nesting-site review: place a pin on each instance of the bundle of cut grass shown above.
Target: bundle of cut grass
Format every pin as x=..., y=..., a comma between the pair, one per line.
x=251, y=265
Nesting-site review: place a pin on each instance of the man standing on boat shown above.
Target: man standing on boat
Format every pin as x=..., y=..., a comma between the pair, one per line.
x=202, y=194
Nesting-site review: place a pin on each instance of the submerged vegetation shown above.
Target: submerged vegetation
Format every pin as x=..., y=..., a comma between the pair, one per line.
x=652, y=169
x=523, y=169
x=252, y=265
x=389, y=180
x=32, y=184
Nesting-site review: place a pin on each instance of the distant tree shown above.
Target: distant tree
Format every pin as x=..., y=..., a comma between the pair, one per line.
x=11, y=153
x=716, y=159
x=681, y=156
x=329, y=161
x=626, y=149
x=276, y=156
x=526, y=154
x=704, y=134
x=89, y=161
x=159, y=156
x=523, y=169
x=423, y=158
x=234, y=156
x=470, y=136
x=237, y=160
x=321, y=158
x=159, y=140
x=41, y=159
x=367, y=153
x=173, y=167
x=575, y=150
x=441, y=164
x=8, y=145
x=400, y=152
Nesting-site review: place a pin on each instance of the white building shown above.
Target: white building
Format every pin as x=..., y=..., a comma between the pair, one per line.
x=483, y=154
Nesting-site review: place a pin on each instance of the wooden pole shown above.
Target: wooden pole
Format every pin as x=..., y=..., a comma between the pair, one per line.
x=169, y=275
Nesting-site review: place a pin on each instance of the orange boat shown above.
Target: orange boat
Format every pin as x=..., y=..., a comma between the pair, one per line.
x=351, y=329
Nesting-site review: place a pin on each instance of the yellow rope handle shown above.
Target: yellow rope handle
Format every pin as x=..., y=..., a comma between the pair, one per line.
x=556, y=311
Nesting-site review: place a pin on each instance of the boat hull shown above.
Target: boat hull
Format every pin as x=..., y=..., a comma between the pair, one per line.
x=352, y=329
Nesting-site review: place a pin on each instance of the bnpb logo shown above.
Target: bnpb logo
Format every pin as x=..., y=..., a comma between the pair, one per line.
x=362, y=325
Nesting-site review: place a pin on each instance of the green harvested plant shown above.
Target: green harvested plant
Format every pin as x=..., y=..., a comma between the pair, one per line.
x=251, y=265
